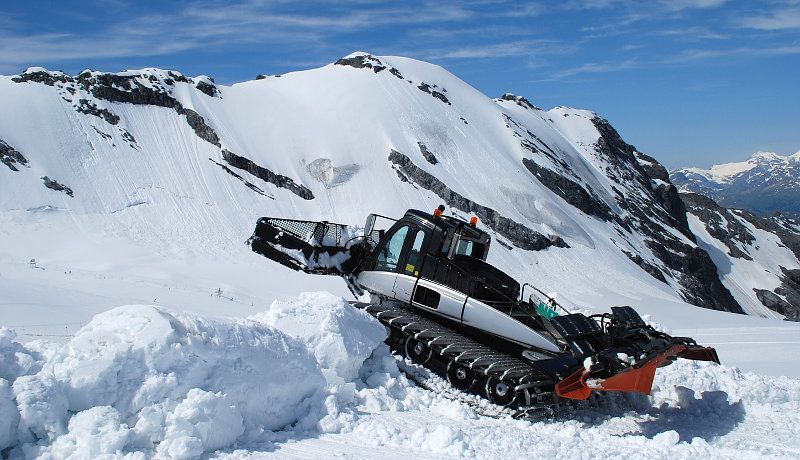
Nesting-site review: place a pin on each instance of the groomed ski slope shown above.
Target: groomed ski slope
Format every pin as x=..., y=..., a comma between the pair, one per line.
x=311, y=378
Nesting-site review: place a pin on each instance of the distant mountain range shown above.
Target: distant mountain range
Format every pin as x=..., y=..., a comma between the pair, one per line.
x=765, y=183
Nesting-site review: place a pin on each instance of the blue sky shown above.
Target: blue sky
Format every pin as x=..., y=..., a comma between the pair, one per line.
x=691, y=82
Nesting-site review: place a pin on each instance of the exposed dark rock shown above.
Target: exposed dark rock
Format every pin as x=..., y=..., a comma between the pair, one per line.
x=429, y=156
x=666, y=192
x=401, y=176
x=46, y=78
x=10, y=157
x=362, y=61
x=260, y=77
x=101, y=133
x=772, y=301
x=646, y=266
x=652, y=211
x=53, y=185
x=521, y=101
x=696, y=273
x=118, y=88
x=128, y=89
x=618, y=152
x=518, y=234
x=207, y=88
x=200, y=127
x=90, y=108
x=128, y=136
x=792, y=275
x=532, y=143
x=249, y=185
x=654, y=169
x=178, y=77
x=266, y=175
x=426, y=88
x=790, y=290
x=396, y=73
x=789, y=238
x=570, y=191
x=729, y=231
x=464, y=120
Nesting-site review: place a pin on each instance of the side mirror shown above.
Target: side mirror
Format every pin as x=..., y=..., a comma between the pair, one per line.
x=370, y=225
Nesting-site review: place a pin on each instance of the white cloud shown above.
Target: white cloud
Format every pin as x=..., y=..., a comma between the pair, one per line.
x=209, y=24
x=678, y=5
x=700, y=54
x=519, y=48
x=779, y=20
x=594, y=67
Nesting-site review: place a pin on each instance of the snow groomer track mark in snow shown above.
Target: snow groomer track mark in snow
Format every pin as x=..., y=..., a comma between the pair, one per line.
x=466, y=320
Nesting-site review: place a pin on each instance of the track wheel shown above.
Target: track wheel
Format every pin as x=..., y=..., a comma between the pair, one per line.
x=396, y=342
x=459, y=376
x=499, y=393
x=418, y=351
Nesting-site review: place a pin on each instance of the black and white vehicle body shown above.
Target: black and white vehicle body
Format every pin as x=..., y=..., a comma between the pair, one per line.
x=438, y=266
x=449, y=310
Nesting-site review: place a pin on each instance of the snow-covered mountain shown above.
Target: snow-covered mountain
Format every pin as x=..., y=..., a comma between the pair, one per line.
x=765, y=183
x=137, y=190
x=184, y=166
x=754, y=255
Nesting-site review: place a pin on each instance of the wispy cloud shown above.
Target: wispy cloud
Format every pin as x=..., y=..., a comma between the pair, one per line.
x=782, y=19
x=693, y=33
x=678, y=5
x=61, y=47
x=595, y=67
x=212, y=24
x=510, y=49
x=700, y=54
x=524, y=10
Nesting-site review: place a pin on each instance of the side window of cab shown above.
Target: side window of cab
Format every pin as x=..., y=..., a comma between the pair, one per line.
x=389, y=255
x=415, y=254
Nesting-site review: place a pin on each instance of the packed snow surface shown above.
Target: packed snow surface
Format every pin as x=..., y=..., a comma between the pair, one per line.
x=141, y=381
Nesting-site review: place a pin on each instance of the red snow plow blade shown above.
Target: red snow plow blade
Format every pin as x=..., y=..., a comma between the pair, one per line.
x=638, y=379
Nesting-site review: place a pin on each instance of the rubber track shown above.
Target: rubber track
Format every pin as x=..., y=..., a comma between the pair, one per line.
x=452, y=346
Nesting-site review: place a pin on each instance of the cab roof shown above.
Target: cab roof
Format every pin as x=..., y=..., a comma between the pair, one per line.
x=446, y=222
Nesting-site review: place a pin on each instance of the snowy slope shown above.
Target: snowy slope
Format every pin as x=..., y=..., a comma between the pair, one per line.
x=764, y=183
x=183, y=166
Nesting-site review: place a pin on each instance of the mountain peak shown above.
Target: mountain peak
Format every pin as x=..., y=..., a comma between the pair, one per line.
x=519, y=100
x=768, y=156
x=766, y=182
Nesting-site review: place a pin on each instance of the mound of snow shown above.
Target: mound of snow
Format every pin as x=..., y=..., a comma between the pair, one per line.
x=340, y=335
x=15, y=359
x=9, y=416
x=140, y=378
